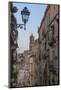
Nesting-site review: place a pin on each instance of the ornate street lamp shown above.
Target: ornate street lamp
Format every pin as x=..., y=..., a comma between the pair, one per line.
x=25, y=16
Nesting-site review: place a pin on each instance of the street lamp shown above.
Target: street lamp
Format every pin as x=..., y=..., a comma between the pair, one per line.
x=25, y=16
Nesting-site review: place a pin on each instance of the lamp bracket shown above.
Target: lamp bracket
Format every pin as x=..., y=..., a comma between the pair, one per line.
x=20, y=26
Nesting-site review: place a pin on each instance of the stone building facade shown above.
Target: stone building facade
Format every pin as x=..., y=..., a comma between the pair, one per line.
x=49, y=46
x=30, y=60
x=24, y=69
x=13, y=34
x=20, y=70
x=34, y=49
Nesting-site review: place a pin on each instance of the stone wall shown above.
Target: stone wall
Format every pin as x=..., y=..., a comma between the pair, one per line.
x=48, y=45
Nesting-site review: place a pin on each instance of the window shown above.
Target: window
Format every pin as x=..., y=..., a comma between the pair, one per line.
x=52, y=28
x=50, y=35
x=40, y=36
x=51, y=32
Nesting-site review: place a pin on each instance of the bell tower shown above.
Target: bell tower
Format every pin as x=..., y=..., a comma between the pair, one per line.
x=31, y=41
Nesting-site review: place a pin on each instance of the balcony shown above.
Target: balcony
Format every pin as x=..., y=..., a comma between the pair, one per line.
x=53, y=65
x=14, y=46
x=45, y=54
x=51, y=41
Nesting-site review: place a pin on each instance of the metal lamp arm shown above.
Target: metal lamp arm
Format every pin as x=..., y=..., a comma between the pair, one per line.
x=20, y=26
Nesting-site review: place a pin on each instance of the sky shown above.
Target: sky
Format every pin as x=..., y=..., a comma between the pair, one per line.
x=35, y=18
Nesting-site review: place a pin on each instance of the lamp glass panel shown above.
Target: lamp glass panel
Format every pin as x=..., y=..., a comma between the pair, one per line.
x=25, y=17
